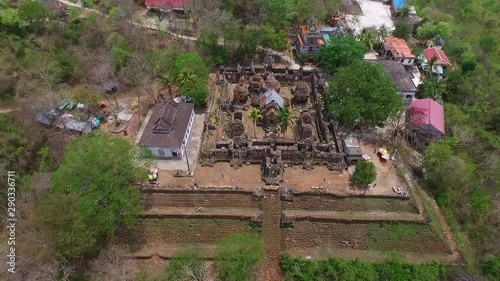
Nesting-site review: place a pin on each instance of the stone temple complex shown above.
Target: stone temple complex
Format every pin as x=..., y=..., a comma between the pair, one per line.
x=309, y=140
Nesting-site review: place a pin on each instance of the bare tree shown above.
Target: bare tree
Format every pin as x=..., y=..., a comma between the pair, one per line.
x=204, y=273
x=112, y=265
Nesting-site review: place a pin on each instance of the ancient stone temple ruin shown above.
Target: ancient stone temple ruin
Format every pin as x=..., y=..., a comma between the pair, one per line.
x=311, y=139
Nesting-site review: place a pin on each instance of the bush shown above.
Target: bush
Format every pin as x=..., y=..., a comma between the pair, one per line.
x=300, y=269
x=237, y=256
x=491, y=268
x=85, y=96
x=365, y=173
x=184, y=261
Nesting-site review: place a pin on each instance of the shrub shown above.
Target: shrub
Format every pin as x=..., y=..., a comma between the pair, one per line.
x=85, y=96
x=237, y=256
x=365, y=172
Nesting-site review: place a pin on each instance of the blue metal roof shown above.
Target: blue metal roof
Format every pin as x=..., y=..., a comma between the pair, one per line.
x=271, y=96
x=398, y=4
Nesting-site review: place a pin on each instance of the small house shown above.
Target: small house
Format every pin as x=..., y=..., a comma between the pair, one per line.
x=438, y=59
x=396, y=49
x=167, y=132
x=426, y=117
x=178, y=6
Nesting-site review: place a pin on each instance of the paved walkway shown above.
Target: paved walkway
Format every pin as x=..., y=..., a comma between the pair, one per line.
x=271, y=235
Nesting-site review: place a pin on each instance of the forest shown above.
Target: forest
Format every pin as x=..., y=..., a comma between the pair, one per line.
x=45, y=57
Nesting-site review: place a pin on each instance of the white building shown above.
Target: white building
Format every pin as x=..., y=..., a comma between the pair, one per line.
x=168, y=130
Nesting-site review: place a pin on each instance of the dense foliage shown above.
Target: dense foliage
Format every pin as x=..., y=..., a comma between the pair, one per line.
x=342, y=51
x=462, y=171
x=300, y=269
x=365, y=172
x=362, y=93
x=99, y=173
x=237, y=256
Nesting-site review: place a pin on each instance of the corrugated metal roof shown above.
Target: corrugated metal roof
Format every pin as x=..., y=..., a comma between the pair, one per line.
x=271, y=96
x=427, y=111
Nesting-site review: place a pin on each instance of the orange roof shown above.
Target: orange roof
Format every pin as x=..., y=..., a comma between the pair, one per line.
x=398, y=47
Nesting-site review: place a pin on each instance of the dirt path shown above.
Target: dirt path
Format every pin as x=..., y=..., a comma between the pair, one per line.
x=271, y=234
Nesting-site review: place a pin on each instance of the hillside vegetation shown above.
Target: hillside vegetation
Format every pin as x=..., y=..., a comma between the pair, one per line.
x=462, y=171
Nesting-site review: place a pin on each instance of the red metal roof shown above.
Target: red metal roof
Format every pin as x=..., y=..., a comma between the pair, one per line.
x=428, y=112
x=169, y=4
x=398, y=47
x=435, y=52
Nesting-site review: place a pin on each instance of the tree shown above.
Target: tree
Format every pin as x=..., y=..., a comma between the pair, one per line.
x=193, y=63
x=85, y=96
x=429, y=30
x=431, y=88
x=402, y=29
x=363, y=93
x=168, y=80
x=342, y=51
x=369, y=37
x=237, y=256
x=34, y=13
x=189, y=264
x=59, y=220
x=254, y=116
x=101, y=171
x=111, y=265
x=285, y=119
x=186, y=78
x=365, y=173
x=209, y=45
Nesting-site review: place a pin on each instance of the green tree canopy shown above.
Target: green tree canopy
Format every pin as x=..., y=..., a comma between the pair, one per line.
x=237, y=256
x=341, y=51
x=59, y=220
x=189, y=67
x=210, y=48
x=363, y=92
x=365, y=173
x=101, y=171
x=34, y=13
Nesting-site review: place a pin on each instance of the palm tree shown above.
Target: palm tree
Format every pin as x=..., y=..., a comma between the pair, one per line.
x=255, y=115
x=186, y=78
x=285, y=119
x=168, y=81
x=369, y=37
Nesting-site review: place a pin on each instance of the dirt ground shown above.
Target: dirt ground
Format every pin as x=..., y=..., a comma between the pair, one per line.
x=247, y=177
x=387, y=174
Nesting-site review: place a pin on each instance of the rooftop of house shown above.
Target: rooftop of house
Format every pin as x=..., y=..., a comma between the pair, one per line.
x=441, y=57
x=428, y=112
x=398, y=47
x=398, y=4
x=170, y=4
x=400, y=77
x=167, y=125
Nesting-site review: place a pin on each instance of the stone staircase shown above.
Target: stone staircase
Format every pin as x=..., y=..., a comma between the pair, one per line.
x=271, y=234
